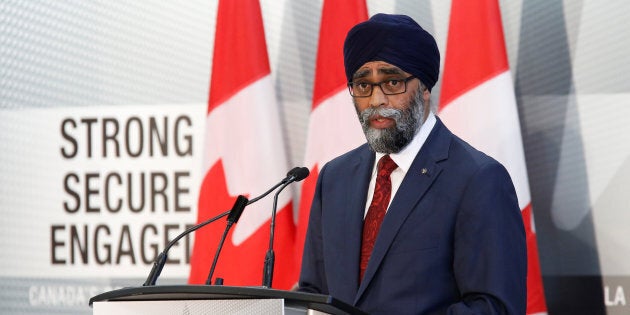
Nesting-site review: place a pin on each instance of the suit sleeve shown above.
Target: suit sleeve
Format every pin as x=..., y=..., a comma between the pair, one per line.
x=490, y=254
x=312, y=276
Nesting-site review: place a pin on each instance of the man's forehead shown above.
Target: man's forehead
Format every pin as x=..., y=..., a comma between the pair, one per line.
x=377, y=67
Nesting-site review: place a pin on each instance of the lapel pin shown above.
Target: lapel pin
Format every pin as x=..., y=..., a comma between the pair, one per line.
x=424, y=171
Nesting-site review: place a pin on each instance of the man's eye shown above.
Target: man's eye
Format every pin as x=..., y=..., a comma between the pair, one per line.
x=393, y=83
x=362, y=86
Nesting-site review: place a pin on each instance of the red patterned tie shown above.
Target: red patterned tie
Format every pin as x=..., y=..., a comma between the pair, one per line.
x=378, y=207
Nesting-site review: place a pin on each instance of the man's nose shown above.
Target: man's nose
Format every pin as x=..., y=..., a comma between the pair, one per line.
x=378, y=98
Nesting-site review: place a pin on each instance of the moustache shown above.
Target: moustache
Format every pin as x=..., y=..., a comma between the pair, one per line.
x=371, y=112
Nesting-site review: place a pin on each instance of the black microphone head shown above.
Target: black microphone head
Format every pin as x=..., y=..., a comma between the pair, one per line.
x=298, y=173
x=237, y=209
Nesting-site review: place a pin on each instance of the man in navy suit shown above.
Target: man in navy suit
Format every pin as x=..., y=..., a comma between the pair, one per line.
x=449, y=236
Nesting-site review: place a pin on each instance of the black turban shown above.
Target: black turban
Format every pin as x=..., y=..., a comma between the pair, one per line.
x=395, y=39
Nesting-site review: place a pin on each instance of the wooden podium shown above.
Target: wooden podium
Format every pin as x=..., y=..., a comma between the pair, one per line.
x=215, y=299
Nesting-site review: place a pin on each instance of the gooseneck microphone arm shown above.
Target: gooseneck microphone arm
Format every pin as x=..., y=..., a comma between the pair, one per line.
x=235, y=214
x=159, y=262
x=270, y=257
x=292, y=176
x=295, y=175
x=266, y=193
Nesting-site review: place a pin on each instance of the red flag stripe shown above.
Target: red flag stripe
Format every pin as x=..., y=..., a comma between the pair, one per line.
x=472, y=41
x=240, y=53
x=332, y=114
x=478, y=103
x=338, y=17
x=244, y=160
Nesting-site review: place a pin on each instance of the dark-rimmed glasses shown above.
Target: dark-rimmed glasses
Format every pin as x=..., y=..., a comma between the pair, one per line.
x=389, y=87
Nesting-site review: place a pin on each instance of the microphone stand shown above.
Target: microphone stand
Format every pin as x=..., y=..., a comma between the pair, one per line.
x=295, y=174
x=270, y=256
x=235, y=214
x=241, y=205
x=160, y=261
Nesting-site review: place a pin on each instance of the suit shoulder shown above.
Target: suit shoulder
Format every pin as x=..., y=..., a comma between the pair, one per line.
x=463, y=151
x=348, y=157
x=442, y=145
x=467, y=161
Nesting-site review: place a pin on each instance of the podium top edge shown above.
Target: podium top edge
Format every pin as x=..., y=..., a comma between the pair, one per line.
x=320, y=302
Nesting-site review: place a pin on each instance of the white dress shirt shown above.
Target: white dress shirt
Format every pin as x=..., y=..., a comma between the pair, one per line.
x=403, y=159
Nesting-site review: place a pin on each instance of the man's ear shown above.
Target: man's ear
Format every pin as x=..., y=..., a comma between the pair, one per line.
x=426, y=95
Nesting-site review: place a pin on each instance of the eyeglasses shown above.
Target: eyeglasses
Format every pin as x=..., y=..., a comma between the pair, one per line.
x=389, y=87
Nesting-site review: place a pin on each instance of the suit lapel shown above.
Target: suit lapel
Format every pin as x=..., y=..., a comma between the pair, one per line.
x=348, y=226
x=424, y=170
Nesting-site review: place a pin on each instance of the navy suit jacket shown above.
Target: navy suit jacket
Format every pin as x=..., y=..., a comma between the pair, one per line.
x=452, y=241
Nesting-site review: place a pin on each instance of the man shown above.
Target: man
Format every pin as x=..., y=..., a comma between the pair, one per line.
x=416, y=221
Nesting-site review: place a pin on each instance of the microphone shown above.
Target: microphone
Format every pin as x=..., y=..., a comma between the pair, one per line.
x=294, y=175
x=234, y=215
x=297, y=174
x=160, y=260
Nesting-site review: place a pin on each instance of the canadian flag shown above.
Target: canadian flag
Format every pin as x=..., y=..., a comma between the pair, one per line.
x=243, y=154
x=333, y=126
x=477, y=103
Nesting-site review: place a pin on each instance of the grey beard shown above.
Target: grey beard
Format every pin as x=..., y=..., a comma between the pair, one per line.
x=392, y=140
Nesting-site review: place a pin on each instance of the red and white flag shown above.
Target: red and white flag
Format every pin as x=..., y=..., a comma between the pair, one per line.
x=477, y=103
x=243, y=154
x=333, y=126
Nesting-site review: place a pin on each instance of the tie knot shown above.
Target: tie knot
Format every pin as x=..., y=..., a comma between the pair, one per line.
x=386, y=166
